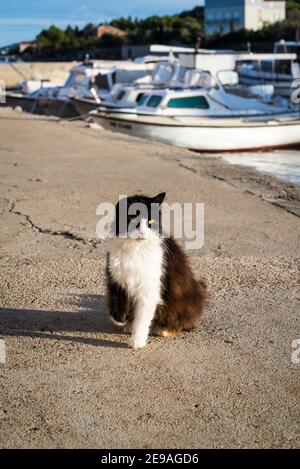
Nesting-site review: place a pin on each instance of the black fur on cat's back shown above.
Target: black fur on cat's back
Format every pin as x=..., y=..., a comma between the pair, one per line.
x=184, y=297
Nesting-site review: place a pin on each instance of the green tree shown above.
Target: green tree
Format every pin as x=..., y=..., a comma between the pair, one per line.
x=180, y=29
x=53, y=37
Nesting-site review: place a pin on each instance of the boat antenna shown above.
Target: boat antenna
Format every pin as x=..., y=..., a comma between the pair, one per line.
x=198, y=44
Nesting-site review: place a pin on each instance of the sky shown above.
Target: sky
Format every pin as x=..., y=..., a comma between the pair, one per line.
x=24, y=19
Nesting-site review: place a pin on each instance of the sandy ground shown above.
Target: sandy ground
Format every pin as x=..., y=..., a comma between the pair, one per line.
x=69, y=379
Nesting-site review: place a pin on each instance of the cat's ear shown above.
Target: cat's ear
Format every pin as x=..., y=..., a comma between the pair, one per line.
x=159, y=198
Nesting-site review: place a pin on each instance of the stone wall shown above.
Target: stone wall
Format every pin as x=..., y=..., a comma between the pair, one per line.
x=13, y=73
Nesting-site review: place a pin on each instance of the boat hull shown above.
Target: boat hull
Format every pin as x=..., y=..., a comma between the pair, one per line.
x=84, y=106
x=211, y=135
x=42, y=105
x=18, y=100
x=54, y=107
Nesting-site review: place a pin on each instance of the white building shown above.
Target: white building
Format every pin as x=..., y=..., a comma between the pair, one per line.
x=230, y=15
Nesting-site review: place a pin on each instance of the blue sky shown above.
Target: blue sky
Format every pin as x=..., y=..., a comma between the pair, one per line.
x=23, y=19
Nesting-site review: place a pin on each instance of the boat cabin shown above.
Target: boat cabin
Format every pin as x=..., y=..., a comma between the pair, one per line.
x=201, y=95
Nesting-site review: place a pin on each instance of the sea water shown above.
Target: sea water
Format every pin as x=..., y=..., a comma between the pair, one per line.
x=284, y=164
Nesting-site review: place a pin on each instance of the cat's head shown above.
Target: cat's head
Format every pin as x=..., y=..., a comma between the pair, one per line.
x=139, y=217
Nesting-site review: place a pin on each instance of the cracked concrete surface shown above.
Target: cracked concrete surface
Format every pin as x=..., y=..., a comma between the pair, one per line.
x=69, y=379
x=65, y=234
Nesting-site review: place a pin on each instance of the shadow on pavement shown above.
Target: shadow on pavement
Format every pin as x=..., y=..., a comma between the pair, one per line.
x=90, y=316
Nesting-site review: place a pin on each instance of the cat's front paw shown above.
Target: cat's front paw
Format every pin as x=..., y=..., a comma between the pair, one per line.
x=137, y=342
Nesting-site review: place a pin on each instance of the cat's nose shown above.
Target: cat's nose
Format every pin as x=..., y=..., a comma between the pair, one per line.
x=141, y=236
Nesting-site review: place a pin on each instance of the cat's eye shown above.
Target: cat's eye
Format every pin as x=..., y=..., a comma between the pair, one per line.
x=150, y=222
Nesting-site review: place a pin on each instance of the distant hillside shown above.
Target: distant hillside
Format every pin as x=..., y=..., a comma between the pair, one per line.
x=181, y=29
x=72, y=42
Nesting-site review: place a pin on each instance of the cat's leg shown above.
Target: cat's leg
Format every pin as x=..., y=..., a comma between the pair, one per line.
x=118, y=303
x=127, y=328
x=143, y=316
x=166, y=322
x=166, y=332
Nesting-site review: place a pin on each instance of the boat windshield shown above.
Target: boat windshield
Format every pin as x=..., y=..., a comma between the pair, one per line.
x=81, y=80
x=288, y=49
x=198, y=79
x=228, y=78
x=179, y=76
x=163, y=73
x=102, y=81
x=76, y=79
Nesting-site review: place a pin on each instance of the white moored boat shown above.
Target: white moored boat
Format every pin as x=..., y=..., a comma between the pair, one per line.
x=208, y=113
x=165, y=70
x=279, y=69
x=127, y=95
x=208, y=134
x=91, y=80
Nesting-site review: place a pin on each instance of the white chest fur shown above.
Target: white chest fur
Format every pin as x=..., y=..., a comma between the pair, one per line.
x=137, y=265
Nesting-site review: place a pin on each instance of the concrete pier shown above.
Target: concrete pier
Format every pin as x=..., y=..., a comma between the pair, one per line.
x=69, y=379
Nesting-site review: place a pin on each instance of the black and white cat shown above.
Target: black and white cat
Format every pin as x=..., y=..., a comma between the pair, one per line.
x=151, y=288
